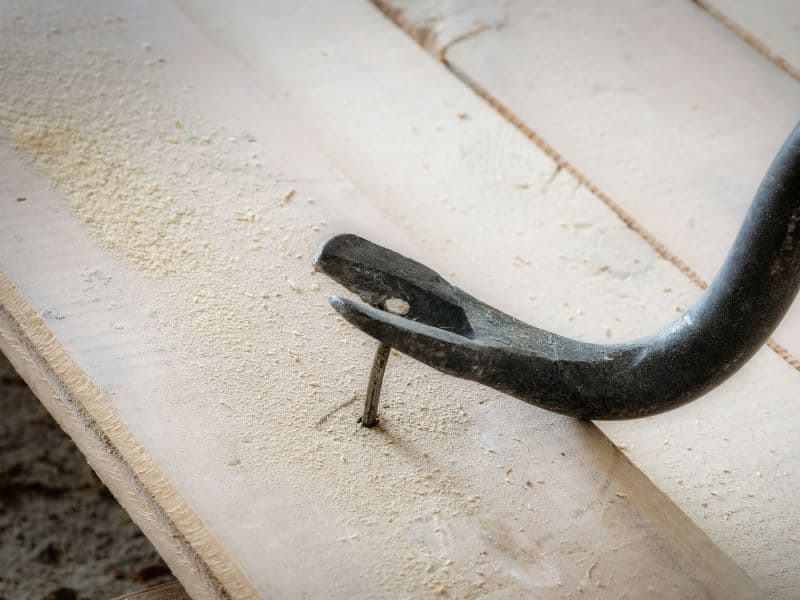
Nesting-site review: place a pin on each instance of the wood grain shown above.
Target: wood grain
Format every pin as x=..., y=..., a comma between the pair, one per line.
x=670, y=118
x=773, y=28
x=175, y=186
x=171, y=590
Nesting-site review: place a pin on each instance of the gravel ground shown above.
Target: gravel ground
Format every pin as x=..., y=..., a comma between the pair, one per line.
x=62, y=534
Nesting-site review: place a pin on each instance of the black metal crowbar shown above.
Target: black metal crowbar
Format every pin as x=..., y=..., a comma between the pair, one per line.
x=458, y=334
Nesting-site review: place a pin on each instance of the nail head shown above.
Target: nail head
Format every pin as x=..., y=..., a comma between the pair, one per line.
x=397, y=306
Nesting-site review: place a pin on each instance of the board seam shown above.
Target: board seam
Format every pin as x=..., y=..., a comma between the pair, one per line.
x=749, y=38
x=395, y=15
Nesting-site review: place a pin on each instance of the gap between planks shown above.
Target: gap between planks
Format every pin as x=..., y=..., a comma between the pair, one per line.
x=395, y=16
x=750, y=39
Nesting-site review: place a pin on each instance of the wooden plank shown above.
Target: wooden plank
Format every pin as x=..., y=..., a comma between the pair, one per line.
x=772, y=28
x=172, y=590
x=664, y=129
x=157, y=295
x=672, y=119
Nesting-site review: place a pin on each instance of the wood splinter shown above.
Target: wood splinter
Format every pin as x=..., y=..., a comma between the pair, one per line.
x=395, y=306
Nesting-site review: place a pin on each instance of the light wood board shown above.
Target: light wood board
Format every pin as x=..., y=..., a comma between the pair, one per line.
x=157, y=295
x=673, y=118
x=772, y=28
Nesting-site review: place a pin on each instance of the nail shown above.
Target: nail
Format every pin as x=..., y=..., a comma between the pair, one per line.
x=396, y=306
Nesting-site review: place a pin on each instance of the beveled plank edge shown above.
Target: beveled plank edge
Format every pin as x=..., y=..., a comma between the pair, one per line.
x=124, y=466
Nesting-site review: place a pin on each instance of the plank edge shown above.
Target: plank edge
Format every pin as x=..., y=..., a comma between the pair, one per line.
x=124, y=466
x=171, y=590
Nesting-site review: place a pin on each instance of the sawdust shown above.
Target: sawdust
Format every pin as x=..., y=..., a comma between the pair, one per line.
x=130, y=215
x=137, y=172
x=150, y=181
x=429, y=503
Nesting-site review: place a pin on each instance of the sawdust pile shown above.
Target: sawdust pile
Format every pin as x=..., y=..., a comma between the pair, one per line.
x=156, y=184
x=181, y=189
